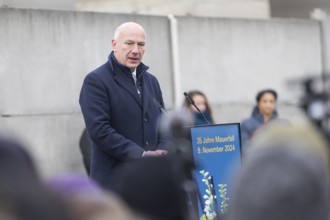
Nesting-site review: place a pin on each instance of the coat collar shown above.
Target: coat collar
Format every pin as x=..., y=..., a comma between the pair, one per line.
x=123, y=77
x=258, y=116
x=117, y=67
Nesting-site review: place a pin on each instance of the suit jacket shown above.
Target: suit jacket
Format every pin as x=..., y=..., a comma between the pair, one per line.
x=121, y=124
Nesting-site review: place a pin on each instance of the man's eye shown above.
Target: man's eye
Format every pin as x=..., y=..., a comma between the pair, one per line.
x=141, y=45
x=129, y=43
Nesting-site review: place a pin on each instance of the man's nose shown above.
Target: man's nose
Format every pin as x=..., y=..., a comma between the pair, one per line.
x=135, y=48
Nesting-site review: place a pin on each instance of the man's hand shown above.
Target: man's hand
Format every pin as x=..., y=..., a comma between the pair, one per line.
x=156, y=153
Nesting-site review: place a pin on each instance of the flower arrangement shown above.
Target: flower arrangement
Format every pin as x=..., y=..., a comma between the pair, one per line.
x=223, y=196
x=210, y=198
x=210, y=208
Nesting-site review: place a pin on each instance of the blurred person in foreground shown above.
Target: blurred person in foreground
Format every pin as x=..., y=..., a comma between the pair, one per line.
x=23, y=195
x=153, y=188
x=160, y=188
x=263, y=113
x=202, y=103
x=285, y=176
x=117, y=102
x=87, y=201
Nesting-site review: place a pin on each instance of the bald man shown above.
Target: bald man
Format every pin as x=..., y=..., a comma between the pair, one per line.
x=116, y=100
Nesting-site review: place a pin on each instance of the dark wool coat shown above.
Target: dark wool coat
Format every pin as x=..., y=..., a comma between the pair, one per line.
x=121, y=124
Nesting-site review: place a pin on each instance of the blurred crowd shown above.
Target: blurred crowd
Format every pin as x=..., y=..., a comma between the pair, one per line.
x=284, y=176
x=145, y=189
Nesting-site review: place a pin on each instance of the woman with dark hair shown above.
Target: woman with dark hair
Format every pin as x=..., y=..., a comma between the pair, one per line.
x=201, y=102
x=263, y=112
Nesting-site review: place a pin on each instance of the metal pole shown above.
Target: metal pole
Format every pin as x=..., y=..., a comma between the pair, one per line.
x=175, y=60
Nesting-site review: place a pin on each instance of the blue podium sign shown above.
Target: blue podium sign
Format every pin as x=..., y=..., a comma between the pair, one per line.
x=217, y=152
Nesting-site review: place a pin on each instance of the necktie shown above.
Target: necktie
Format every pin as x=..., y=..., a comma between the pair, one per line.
x=138, y=89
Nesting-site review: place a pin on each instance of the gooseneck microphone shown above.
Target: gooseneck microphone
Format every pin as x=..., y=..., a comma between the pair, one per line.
x=159, y=105
x=189, y=99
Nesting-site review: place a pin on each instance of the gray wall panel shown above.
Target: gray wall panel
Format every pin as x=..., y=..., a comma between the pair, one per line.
x=45, y=55
x=230, y=60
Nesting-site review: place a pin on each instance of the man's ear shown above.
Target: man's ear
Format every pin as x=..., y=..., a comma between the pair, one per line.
x=114, y=45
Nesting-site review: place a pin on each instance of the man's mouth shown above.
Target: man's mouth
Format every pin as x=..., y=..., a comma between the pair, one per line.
x=134, y=59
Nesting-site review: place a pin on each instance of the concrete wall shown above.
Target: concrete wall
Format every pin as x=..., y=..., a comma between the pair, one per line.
x=45, y=55
x=230, y=60
x=209, y=8
x=40, y=4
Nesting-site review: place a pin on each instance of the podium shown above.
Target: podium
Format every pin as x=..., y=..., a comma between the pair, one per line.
x=217, y=155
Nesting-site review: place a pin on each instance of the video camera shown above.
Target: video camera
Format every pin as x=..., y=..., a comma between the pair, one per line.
x=316, y=101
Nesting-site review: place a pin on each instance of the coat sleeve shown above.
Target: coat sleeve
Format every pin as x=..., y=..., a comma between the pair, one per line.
x=96, y=108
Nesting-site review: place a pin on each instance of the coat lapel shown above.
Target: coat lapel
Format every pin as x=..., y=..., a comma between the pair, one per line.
x=127, y=83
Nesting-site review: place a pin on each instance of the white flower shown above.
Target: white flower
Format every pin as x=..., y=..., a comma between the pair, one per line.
x=207, y=208
x=211, y=215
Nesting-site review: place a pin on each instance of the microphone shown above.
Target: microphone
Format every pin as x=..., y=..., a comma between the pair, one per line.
x=190, y=100
x=193, y=103
x=159, y=105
